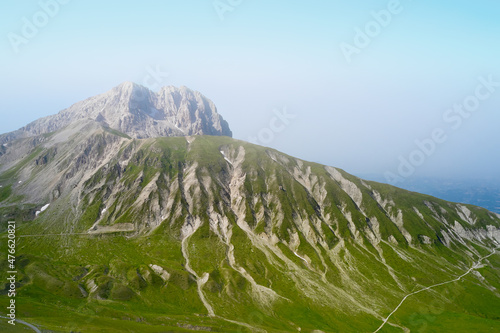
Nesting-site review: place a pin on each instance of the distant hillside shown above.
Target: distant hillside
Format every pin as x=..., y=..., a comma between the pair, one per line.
x=480, y=192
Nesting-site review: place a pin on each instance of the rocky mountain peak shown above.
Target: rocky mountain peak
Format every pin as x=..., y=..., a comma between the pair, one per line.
x=138, y=112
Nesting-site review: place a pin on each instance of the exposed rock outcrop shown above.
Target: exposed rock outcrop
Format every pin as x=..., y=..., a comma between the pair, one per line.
x=137, y=112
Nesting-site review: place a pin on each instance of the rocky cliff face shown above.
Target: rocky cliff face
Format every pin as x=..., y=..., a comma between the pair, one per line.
x=139, y=113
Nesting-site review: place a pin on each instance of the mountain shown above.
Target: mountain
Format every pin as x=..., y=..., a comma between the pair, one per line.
x=479, y=192
x=207, y=233
x=139, y=113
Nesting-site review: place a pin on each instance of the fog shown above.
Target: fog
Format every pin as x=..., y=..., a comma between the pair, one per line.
x=371, y=88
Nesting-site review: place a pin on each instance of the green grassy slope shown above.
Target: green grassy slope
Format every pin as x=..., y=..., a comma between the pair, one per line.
x=151, y=235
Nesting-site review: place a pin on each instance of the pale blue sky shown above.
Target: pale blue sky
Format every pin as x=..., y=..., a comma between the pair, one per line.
x=361, y=116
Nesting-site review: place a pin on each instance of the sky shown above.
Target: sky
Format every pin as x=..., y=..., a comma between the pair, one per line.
x=396, y=88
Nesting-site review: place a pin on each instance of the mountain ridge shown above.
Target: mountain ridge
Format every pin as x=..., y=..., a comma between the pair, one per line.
x=209, y=233
x=138, y=112
x=228, y=212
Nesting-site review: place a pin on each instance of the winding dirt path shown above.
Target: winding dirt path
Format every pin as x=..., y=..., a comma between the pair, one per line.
x=476, y=265
x=33, y=327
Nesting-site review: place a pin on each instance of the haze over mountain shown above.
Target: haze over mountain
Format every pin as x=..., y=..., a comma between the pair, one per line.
x=128, y=220
x=479, y=192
